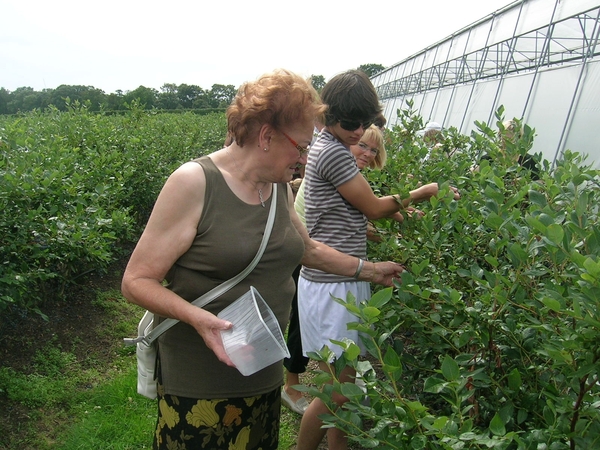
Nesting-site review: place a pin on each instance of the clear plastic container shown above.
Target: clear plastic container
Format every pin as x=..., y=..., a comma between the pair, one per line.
x=255, y=341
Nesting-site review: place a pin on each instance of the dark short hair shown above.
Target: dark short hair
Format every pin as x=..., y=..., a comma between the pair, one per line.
x=350, y=95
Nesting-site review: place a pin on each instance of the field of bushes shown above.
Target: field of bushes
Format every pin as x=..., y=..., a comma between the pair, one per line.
x=491, y=340
x=77, y=187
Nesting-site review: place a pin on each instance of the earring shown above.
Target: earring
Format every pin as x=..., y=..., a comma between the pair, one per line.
x=266, y=149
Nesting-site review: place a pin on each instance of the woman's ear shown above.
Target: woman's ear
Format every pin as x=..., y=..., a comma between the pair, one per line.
x=264, y=137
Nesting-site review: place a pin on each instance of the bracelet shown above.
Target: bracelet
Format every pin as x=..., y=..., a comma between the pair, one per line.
x=361, y=263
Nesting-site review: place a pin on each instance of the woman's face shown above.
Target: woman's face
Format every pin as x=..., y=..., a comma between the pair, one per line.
x=291, y=150
x=364, y=152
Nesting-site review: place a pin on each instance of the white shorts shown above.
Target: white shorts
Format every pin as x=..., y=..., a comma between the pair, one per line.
x=323, y=319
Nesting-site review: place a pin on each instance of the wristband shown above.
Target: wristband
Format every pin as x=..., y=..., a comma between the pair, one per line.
x=361, y=263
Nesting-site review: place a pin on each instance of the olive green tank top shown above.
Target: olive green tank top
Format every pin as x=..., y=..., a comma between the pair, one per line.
x=229, y=234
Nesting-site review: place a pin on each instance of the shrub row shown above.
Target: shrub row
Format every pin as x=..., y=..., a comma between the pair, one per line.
x=77, y=186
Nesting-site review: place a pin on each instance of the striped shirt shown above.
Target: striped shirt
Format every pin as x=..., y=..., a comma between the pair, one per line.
x=331, y=219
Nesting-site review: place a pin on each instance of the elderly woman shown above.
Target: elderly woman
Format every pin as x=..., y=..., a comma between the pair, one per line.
x=338, y=203
x=205, y=228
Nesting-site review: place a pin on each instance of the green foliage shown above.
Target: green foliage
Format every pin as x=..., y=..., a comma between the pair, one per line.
x=492, y=339
x=318, y=82
x=77, y=187
x=371, y=69
x=171, y=97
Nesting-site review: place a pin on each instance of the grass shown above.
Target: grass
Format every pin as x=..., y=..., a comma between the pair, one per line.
x=113, y=416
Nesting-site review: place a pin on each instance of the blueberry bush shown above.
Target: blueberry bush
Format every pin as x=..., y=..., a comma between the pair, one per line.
x=492, y=338
x=77, y=187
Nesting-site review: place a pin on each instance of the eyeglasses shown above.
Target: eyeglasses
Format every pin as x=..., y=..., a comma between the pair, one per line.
x=302, y=150
x=351, y=125
x=365, y=147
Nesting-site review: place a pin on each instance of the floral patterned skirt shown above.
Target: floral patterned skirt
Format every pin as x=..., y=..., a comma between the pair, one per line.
x=250, y=423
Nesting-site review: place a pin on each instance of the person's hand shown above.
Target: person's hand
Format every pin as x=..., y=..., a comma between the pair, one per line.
x=398, y=217
x=385, y=273
x=412, y=212
x=372, y=234
x=424, y=192
x=456, y=193
x=209, y=328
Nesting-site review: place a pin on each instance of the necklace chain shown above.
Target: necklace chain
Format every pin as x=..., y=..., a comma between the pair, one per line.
x=260, y=196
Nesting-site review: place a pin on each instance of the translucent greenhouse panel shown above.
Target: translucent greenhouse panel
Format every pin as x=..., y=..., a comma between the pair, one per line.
x=570, y=8
x=453, y=108
x=459, y=43
x=445, y=48
x=479, y=106
x=536, y=14
x=428, y=104
x=480, y=36
x=548, y=113
x=513, y=95
x=443, y=108
x=429, y=58
x=504, y=27
x=583, y=133
x=389, y=110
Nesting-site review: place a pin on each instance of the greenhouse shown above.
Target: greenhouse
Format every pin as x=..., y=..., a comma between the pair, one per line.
x=536, y=58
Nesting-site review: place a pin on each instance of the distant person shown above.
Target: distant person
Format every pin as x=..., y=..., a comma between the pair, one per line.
x=510, y=132
x=433, y=138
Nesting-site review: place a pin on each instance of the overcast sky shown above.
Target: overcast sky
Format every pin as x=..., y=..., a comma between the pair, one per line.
x=120, y=45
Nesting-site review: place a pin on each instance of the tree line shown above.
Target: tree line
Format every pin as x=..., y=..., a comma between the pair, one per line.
x=170, y=96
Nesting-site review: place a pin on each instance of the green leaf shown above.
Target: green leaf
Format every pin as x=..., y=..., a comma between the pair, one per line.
x=351, y=390
x=537, y=198
x=514, y=380
x=497, y=425
x=434, y=385
x=551, y=303
x=518, y=256
x=352, y=352
x=491, y=260
x=380, y=298
x=391, y=358
x=418, y=442
x=440, y=423
x=450, y=369
x=417, y=268
x=592, y=267
x=555, y=233
x=370, y=313
x=536, y=224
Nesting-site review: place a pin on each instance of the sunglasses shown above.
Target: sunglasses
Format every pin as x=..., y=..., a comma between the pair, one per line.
x=302, y=150
x=351, y=125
